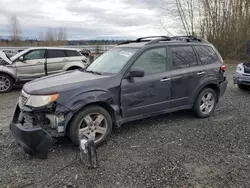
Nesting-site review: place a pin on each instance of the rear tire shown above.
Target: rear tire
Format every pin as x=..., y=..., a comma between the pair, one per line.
x=6, y=83
x=243, y=87
x=85, y=122
x=205, y=103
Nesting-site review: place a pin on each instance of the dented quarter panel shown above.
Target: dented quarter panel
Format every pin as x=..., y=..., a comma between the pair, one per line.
x=206, y=80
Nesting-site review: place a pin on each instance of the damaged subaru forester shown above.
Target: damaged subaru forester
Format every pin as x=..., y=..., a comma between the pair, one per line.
x=134, y=80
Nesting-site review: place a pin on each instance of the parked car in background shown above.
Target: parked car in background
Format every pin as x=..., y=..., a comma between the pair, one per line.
x=134, y=80
x=37, y=62
x=10, y=53
x=242, y=76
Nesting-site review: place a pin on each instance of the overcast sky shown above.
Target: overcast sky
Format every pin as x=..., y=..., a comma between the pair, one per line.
x=85, y=19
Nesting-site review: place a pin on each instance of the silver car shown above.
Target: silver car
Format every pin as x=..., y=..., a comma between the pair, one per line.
x=242, y=76
x=33, y=63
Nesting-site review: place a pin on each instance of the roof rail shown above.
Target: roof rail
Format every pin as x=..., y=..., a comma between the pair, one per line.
x=142, y=39
x=188, y=39
x=164, y=37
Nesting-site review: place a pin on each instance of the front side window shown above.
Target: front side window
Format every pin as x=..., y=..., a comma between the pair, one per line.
x=152, y=61
x=35, y=54
x=183, y=56
x=112, y=61
x=207, y=54
x=56, y=53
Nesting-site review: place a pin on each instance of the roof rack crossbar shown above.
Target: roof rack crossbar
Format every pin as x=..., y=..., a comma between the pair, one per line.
x=158, y=41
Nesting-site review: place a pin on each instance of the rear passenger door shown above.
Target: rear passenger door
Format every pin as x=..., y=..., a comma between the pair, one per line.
x=56, y=59
x=186, y=73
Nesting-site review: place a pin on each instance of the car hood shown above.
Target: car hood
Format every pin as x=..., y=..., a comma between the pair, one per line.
x=5, y=58
x=60, y=82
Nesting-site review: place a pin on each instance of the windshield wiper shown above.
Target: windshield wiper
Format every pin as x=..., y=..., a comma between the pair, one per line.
x=94, y=72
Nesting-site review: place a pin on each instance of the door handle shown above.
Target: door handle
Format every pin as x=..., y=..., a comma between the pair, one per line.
x=65, y=60
x=165, y=79
x=39, y=62
x=200, y=73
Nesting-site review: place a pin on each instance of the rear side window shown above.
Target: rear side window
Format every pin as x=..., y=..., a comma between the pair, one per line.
x=56, y=53
x=207, y=54
x=183, y=56
x=71, y=53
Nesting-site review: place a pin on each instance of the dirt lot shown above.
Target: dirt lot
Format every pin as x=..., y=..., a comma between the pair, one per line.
x=174, y=150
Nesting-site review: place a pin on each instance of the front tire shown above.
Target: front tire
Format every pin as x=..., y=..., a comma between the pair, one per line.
x=6, y=83
x=205, y=103
x=242, y=87
x=93, y=122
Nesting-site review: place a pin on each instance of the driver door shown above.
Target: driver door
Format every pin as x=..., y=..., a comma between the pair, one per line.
x=150, y=93
x=32, y=65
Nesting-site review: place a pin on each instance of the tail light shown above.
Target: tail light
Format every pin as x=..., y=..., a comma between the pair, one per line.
x=223, y=68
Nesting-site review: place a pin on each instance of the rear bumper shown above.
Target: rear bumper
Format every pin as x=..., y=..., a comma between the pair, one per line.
x=223, y=87
x=34, y=140
x=242, y=79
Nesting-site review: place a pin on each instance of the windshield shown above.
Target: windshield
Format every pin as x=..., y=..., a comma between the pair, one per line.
x=112, y=61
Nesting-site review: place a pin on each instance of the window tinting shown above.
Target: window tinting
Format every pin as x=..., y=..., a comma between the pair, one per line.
x=72, y=53
x=35, y=54
x=152, y=61
x=56, y=53
x=207, y=54
x=183, y=56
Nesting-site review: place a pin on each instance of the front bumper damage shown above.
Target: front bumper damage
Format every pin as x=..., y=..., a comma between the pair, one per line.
x=36, y=139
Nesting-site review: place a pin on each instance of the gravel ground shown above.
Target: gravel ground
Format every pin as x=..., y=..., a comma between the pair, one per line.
x=173, y=150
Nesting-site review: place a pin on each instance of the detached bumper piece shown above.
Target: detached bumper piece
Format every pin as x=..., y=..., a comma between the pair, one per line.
x=35, y=141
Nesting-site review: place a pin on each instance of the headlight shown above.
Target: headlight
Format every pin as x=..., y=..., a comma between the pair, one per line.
x=240, y=68
x=41, y=100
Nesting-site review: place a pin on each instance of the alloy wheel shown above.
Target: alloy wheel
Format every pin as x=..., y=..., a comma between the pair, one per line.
x=93, y=126
x=207, y=103
x=4, y=83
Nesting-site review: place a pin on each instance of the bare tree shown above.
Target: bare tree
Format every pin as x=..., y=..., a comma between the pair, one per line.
x=56, y=36
x=15, y=30
x=225, y=23
x=185, y=14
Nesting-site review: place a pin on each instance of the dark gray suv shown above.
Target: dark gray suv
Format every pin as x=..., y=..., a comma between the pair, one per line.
x=134, y=80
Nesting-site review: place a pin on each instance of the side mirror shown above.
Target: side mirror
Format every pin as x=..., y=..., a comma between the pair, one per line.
x=136, y=72
x=21, y=59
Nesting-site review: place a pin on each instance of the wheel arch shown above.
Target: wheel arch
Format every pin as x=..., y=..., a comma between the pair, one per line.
x=69, y=65
x=10, y=75
x=213, y=85
x=109, y=108
x=100, y=98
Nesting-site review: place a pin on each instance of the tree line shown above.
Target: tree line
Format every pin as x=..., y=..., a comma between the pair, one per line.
x=225, y=23
x=51, y=37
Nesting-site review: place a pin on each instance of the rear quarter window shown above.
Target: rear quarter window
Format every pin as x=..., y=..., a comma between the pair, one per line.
x=56, y=53
x=72, y=53
x=207, y=55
